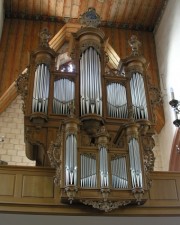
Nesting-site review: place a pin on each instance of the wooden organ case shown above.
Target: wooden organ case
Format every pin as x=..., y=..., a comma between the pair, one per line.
x=91, y=121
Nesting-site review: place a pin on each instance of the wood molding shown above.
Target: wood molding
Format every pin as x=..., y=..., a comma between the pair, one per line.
x=26, y=193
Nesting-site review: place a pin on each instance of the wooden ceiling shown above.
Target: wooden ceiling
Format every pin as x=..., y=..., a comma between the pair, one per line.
x=126, y=14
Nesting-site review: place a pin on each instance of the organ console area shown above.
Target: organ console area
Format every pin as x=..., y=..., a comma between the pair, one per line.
x=89, y=119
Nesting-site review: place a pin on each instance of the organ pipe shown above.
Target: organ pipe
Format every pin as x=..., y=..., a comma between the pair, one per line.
x=71, y=160
x=41, y=89
x=64, y=94
x=138, y=97
x=116, y=101
x=104, y=176
x=90, y=82
x=119, y=173
x=88, y=171
x=135, y=163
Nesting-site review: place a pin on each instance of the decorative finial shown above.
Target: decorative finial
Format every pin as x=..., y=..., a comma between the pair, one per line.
x=135, y=44
x=44, y=36
x=90, y=18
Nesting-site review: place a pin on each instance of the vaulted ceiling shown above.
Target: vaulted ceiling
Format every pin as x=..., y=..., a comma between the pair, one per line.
x=126, y=14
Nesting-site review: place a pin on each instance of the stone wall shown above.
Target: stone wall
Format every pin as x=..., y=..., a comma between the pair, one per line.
x=12, y=149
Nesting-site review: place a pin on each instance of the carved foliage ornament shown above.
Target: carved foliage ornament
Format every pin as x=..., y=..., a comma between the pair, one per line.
x=54, y=156
x=90, y=18
x=86, y=44
x=156, y=96
x=22, y=87
x=148, y=145
x=106, y=206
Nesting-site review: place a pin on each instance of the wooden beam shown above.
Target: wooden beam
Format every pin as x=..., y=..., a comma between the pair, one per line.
x=9, y=95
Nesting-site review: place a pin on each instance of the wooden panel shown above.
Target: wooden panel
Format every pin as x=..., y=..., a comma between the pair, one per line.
x=37, y=186
x=163, y=190
x=164, y=200
x=7, y=182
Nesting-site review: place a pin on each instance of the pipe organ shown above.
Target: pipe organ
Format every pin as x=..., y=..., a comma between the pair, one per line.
x=138, y=96
x=87, y=123
x=117, y=101
x=88, y=171
x=119, y=172
x=71, y=160
x=41, y=89
x=64, y=94
x=135, y=163
x=90, y=82
x=104, y=176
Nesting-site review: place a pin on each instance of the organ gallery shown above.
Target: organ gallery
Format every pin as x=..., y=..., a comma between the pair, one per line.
x=88, y=114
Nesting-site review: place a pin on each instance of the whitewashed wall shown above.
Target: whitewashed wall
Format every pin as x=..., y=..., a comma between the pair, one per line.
x=167, y=38
x=1, y=16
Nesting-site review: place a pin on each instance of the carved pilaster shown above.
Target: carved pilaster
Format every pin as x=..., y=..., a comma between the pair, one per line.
x=149, y=159
x=54, y=153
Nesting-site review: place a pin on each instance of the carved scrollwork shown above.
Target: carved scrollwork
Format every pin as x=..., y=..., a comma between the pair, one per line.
x=112, y=72
x=54, y=154
x=22, y=87
x=90, y=43
x=148, y=145
x=106, y=206
x=156, y=96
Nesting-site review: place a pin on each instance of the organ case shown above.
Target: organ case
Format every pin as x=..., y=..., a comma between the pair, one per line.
x=90, y=119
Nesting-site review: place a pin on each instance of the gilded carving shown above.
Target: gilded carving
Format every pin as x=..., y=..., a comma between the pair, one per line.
x=106, y=206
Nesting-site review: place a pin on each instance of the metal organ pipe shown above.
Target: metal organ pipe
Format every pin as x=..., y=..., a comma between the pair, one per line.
x=138, y=97
x=104, y=167
x=90, y=81
x=41, y=89
x=88, y=171
x=117, y=101
x=135, y=164
x=71, y=160
x=119, y=173
x=64, y=94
